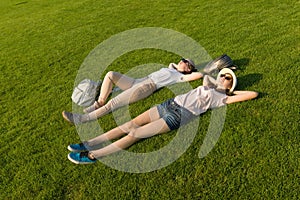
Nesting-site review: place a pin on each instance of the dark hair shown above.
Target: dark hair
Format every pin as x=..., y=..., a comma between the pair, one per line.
x=192, y=70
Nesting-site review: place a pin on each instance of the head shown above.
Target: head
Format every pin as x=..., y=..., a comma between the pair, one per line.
x=186, y=66
x=227, y=79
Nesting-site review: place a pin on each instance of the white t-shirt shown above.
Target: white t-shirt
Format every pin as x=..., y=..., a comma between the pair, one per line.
x=200, y=99
x=166, y=76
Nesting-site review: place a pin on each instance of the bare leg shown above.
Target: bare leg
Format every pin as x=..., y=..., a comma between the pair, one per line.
x=147, y=117
x=157, y=127
x=110, y=79
x=135, y=93
x=144, y=118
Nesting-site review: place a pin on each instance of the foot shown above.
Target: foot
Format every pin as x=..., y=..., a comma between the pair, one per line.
x=77, y=147
x=72, y=118
x=81, y=158
x=93, y=107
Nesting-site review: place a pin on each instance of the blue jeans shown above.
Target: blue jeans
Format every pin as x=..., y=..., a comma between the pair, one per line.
x=174, y=114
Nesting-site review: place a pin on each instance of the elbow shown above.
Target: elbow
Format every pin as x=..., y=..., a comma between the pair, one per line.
x=198, y=76
x=254, y=95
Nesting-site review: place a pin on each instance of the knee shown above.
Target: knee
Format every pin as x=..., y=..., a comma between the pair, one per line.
x=132, y=134
x=128, y=127
x=136, y=135
x=110, y=75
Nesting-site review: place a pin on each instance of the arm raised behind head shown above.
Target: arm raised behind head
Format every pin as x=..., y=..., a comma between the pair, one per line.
x=239, y=96
x=193, y=76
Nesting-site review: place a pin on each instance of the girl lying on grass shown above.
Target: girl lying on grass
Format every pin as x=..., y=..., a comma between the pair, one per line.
x=167, y=116
x=137, y=89
x=134, y=89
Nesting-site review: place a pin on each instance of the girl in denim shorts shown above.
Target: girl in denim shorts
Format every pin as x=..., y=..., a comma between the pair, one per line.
x=169, y=115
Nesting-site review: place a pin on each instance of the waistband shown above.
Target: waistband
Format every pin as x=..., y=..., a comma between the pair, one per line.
x=174, y=104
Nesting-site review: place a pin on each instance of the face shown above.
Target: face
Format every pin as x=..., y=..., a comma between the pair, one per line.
x=184, y=66
x=226, y=80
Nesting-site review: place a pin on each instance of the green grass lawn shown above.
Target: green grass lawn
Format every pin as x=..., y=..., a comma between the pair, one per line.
x=43, y=44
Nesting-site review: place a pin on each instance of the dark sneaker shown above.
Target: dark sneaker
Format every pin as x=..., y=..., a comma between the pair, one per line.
x=77, y=147
x=81, y=158
x=72, y=118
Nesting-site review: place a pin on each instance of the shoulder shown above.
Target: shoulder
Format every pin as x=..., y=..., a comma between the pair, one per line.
x=172, y=66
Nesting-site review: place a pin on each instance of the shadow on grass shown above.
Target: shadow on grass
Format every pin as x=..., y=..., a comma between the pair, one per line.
x=241, y=63
x=20, y=3
x=249, y=80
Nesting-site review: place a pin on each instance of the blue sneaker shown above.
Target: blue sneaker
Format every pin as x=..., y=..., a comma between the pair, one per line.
x=80, y=158
x=77, y=147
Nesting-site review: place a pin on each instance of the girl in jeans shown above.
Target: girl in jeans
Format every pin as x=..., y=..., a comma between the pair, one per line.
x=134, y=89
x=163, y=118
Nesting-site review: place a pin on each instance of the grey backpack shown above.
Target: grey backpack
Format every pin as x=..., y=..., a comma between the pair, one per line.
x=216, y=65
x=86, y=92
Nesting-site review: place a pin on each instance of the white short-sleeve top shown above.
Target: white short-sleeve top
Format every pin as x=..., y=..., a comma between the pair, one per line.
x=200, y=99
x=165, y=77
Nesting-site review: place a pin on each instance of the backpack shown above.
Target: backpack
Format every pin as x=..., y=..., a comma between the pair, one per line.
x=216, y=65
x=86, y=92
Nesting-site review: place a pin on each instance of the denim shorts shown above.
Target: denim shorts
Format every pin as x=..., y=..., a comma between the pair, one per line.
x=174, y=114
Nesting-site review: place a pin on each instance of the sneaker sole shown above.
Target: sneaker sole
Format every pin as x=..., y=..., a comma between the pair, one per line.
x=75, y=150
x=66, y=118
x=77, y=162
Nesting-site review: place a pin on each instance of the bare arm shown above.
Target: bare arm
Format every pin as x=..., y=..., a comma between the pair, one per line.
x=193, y=76
x=241, y=96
